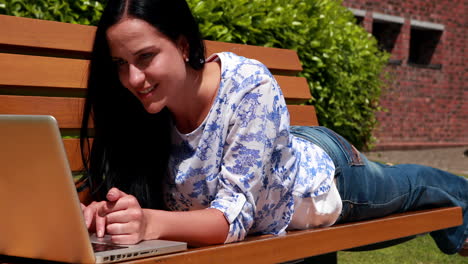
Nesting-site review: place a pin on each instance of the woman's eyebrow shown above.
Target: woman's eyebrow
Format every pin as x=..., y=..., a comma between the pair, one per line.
x=151, y=47
x=143, y=50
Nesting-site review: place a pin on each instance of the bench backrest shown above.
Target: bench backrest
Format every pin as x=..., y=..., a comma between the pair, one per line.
x=44, y=65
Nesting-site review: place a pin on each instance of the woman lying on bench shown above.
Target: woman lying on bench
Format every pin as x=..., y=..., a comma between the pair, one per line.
x=202, y=150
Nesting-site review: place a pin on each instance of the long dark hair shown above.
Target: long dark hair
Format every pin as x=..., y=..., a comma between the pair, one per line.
x=131, y=147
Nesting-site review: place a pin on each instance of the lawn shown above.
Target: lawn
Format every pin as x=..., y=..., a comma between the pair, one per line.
x=421, y=250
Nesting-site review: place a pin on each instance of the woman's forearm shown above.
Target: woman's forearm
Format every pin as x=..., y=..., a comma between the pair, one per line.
x=197, y=228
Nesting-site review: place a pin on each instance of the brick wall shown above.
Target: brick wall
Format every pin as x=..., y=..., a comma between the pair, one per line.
x=428, y=105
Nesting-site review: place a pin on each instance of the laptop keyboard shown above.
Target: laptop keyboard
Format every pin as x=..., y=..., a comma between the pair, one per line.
x=97, y=247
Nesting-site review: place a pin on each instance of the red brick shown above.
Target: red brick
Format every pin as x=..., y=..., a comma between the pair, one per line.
x=424, y=105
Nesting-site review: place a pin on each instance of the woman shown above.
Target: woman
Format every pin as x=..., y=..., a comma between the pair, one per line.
x=212, y=156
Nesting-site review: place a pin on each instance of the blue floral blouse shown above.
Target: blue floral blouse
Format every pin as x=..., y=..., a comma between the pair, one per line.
x=242, y=160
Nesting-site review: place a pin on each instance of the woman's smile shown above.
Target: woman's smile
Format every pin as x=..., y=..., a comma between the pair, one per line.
x=148, y=90
x=146, y=93
x=149, y=64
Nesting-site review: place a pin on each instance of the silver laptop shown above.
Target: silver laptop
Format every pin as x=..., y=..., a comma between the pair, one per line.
x=41, y=216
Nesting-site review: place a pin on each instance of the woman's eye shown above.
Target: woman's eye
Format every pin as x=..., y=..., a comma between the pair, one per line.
x=145, y=59
x=119, y=62
x=147, y=55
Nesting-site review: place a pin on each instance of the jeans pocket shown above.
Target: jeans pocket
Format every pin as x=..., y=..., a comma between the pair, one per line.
x=353, y=156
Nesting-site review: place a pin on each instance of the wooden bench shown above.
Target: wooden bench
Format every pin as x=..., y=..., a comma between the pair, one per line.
x=43, y=69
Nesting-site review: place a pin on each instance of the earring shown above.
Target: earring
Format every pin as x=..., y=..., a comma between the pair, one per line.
x=186, y=59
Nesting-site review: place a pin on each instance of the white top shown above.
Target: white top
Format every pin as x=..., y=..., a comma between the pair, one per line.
x=243, y=161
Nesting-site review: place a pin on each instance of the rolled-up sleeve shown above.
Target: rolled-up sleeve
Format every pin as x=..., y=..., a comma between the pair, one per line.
x=248, y=150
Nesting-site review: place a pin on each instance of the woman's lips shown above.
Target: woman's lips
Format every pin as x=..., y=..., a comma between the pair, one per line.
x=145, y=93
x=147, y=90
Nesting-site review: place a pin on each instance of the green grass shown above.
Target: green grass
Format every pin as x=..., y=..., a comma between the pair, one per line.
x=421, y=250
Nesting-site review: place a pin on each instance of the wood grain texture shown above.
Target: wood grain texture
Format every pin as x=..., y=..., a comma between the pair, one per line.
x=273, y=58
x=72, y=148
x=34, y=33
x=303, y=115
x=67, y=111
x=72, y=145
x=41, y=72
x=51, y=35
x=300, y=244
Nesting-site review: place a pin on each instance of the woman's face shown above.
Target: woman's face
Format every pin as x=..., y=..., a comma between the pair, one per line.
x=150, y=65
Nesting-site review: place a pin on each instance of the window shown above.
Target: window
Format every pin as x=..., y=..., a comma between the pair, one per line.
x=423, y=45
x=358, y=15
x=386, y=29
x=359, y=20
x=386, y=34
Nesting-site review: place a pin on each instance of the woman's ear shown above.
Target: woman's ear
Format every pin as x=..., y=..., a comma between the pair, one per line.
x=184, y=48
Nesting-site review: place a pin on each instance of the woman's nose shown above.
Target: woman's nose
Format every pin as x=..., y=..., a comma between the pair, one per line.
x=136, y=77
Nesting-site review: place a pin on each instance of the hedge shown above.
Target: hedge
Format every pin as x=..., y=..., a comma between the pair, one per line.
x=85, y=12
x=341, y=61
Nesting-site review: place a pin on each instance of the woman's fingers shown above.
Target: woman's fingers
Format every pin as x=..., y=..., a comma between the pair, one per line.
x=124, y=216
x=127, y=239
x=115, y=194
x=123, y=203
x=89, y=213
x=123, y=228
x=120, y=216
x=100, y=225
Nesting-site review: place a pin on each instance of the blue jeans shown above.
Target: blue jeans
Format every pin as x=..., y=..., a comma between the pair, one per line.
x=369, y=189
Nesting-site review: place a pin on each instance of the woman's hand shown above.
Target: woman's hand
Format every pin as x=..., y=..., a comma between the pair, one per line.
x=91, y=217
x=121, y=216
x=124, y=218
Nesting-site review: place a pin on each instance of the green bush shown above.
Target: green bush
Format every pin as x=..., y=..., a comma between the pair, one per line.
x=85, y=12
x=341, y=60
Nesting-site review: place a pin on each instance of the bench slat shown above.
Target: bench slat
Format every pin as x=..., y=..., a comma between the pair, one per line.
x=72, y=148
x=51, y=35
x=295, y=89
x=37, y=71
x=300, y=115
x=275, y=59
x=68, y=111
x=303, y=115
x=35, y=33
x=67, y=73
x=301, y=244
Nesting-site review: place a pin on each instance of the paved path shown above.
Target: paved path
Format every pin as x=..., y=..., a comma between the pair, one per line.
x=450, y=159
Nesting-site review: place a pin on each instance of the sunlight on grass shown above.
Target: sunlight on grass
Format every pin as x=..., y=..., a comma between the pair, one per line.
x=421, y=250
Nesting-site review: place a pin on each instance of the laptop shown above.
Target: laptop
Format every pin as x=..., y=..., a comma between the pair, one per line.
x=41, y=215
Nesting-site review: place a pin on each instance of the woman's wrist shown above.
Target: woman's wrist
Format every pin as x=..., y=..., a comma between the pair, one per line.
x=154, y=224
x=199, y=227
